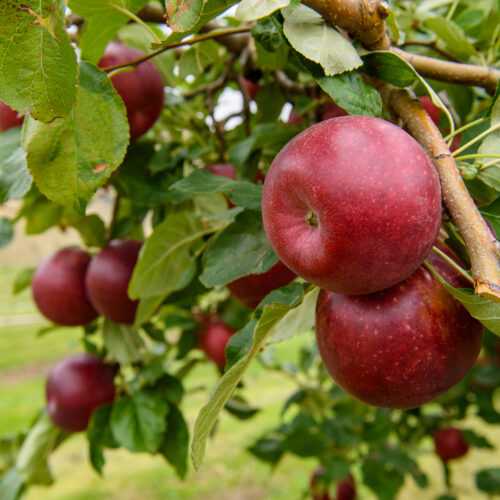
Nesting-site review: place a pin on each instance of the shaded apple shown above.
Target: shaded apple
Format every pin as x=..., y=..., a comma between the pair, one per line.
x=346, y=489
x=76, y=386
x=108, y=277
x=222, y=169
x=319, y=489
x=352, y=204
x=141, y=89
x=214, y=336
x=59, y=291
x=450, y=443
x=400, y=347
x=9, y=117
x=432, y=110
x=252, y=88
x=251, y=289
x=332, y=110
x=294, y=118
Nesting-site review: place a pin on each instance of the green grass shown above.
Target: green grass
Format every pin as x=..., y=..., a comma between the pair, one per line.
x=228, y=473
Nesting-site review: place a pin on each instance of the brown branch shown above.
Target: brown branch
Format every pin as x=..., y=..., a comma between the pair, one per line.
x=364, y=19
x=452, y=72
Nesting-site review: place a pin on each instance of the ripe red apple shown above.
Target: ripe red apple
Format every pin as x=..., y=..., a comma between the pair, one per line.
x=59, y=290
x=294, y=118
x=251, y=289
x=76, y=386
x=140, y=89
x=222, y=169
x=213, y=341
x=432, y=110
x=346, y=489
x=352, y=204
x=108, y=277
x=332, y=110
x=401, y=347
x=450, y=443
x=9, y=117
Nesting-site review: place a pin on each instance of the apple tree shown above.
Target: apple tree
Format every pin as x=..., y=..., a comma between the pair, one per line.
x=352, y=189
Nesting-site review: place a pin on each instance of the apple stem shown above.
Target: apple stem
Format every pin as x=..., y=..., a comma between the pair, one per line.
x=476, y=139
x=450, y=261
x=312, y=219
x=464, y=128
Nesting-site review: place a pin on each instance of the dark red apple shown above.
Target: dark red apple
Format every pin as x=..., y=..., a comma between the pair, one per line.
x=140, y=89
x=251, y=87
x=346, y=489
x=450, y=443
x=401, y=347
x=352, y=204
x=332, y=110
x=432, y=110
x=108, y=277
x=76, y=386
x=213, y=341
x=222, y=169
x=294, y=118
x=319, y=489
x=59, y=290
x=9, y=117
x=251, y=289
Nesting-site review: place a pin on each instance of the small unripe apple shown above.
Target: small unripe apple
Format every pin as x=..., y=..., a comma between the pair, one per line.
x=352, y=204
x=251, y=289
x=222, y=169
x=432, y=110
x=9, y=117
x=141, y=89
x=108, y=277
x=214, y=337
x=76, y=387
x=450, y=443
x=400, y=347
x=59, y=291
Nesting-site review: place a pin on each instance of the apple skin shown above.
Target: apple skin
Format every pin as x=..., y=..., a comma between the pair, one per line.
x=213, y=341
x=222, y=169
x=450, y=443
x=141, y=89
x=76, y=386
x=108, y=277
x=374, y=194
x=251, y=87
x=332, y=110
x=432, y=110
x=9, y=117
x=294, y=118
x=251, y=289
x=401, y=347
x=59, y=291
x=346, y=489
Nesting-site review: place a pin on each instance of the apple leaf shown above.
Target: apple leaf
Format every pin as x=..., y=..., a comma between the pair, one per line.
x=10, y=140
x=311, y=36
x=227, y=384
x=251, y=10
x=176, y=443
x=488, y=480
x=492, y=212
x=240, y=249
x=15, y=179
x=166, y=254
x=102, y=21
x=35, y=47
x=194, y=60
x=6, y=231
x=99, y=436
x=123, y=342
x=139, y=421
x=22, y=280
x=70, y=158
x=241, y=193
x=12, y=485
x=91, y=228
x=182, y=15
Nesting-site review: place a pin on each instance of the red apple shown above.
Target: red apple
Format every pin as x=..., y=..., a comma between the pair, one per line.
x=9, y=117
x=251, y=87
x=401, y=347
x=432, y=110
x=140, y=89
x=58, y=287
x=108, y=277
x=222, y=169
x=319, y=490
x=450, y=443
x=213, y=341
x=332, y=110
x=346, y=489
x=352, y=204
x=76, y=386
x=294, y=118
x=251, y=289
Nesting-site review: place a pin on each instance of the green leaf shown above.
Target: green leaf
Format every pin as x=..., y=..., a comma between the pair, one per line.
x=15, y=179
x=311, y=36
x=488, y=480
x=166, y=255
x=70, y=158
x=290, y=295
x=239, y=408
x=35, y=48
x=10, y=140
x=240, y=344
x=383, y=479
x=102, y=21
x=123, y=342
x=176, y=443
x=99, y=436
x=139, y=421
x=226, y=385
x=91, y=228
x=12, y=485
x=476, y=440
x=337, y=468
x=240, y=249
x=268, y=449
x=492, y=212
x=6, y=231
x=241, y=193
x=251, y=10
x=22, y=280
x=194, y=60
x=182, y=15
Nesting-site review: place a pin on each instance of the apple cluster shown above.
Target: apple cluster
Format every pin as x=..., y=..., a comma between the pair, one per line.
x=353, y=205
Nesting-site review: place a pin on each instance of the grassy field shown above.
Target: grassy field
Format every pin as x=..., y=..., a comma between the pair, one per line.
x=229, y=473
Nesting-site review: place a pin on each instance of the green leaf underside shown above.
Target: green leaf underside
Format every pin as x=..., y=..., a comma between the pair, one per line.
x=251, y=10
x=70, y=158
x=34, y=47
x=15, y=179
x=123, y=342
